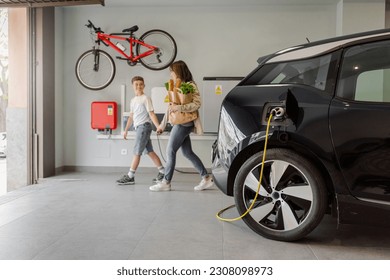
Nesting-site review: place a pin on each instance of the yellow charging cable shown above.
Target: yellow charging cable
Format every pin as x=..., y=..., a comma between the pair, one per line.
x=218, y=215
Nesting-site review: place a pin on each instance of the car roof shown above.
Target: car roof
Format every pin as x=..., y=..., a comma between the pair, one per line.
x=324, y=46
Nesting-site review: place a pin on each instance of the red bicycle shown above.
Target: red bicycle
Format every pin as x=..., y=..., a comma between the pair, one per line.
x=95, y=69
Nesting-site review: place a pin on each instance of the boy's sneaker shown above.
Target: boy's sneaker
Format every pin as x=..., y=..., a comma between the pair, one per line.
x=126, y=180
x=121, y=178
x=159, y=178
x=160, y=187
x=206, y=183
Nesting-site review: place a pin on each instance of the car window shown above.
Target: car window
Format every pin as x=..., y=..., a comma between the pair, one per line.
x=365, y=73
x=311, y=72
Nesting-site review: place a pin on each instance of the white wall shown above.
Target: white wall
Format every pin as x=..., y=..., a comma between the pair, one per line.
x=213, y=40
x=359, y=17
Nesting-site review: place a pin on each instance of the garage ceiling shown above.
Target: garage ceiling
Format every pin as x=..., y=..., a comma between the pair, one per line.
x=222, y=3
x=47, y=3
x=44, y=3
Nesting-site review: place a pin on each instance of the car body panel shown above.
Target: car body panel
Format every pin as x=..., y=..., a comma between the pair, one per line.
x=363, y=151
x=245, y=107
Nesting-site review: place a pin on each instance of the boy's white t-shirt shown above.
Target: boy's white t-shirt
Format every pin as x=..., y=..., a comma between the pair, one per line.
x=140, y=106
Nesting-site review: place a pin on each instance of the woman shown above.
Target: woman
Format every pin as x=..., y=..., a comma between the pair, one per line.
x=179, y=137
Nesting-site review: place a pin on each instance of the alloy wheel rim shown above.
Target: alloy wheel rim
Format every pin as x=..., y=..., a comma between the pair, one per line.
x=285, y=198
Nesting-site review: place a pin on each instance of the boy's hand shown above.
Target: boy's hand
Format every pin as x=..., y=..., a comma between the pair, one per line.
x=125, y=135
x=159, y=130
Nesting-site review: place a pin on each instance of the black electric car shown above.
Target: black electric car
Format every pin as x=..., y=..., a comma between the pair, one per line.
x=329, y=140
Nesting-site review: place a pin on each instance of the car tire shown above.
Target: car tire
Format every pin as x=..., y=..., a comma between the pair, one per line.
x=292, y=199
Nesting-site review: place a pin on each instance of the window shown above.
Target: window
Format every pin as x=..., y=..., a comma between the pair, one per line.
x=365, y=73
x=311, y=72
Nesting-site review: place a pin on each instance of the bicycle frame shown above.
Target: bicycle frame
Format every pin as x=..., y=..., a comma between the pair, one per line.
x=105, y=38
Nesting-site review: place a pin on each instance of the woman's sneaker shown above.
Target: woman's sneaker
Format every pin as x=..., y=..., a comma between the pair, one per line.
x=159, y=178
x=206, y=183
x=160, y=187
x=126, y=180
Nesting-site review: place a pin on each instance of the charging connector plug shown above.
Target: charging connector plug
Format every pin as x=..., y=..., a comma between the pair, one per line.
x=278, y=113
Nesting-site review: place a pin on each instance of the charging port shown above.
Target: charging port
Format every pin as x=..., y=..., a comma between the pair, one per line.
x=278, y=110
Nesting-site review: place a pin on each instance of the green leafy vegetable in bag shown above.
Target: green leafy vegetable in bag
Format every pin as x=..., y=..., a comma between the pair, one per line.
x=187, y=88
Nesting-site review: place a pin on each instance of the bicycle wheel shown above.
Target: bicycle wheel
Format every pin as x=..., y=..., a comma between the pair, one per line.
x=164, y=55
x=95, y=69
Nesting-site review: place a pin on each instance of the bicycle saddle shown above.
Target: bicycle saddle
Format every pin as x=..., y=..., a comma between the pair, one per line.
x=131, y=29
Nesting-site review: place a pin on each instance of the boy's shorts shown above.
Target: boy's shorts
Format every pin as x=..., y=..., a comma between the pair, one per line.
x=142, y=139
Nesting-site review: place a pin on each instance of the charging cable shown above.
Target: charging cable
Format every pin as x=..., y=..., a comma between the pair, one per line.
x=218, y=215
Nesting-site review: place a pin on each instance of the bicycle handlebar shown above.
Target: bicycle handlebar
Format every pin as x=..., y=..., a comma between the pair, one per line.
x=97, y=30
x=91, y=25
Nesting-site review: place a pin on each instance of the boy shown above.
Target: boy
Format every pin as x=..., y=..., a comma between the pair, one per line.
x=141, y=114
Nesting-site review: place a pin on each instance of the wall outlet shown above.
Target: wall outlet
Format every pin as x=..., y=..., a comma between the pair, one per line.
x=124, y=152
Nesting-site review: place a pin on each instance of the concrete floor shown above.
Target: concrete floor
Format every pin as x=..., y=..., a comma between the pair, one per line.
x=80, y=216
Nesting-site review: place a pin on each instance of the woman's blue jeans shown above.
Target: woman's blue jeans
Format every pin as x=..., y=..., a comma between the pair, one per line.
x=180, y=137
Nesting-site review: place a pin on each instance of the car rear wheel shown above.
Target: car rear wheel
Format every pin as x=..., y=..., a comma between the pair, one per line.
x=292, y=198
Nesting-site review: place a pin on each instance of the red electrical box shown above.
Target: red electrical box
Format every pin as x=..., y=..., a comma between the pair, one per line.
x=104, y=115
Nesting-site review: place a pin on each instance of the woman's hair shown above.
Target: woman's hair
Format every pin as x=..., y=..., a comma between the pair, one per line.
x=181, y=70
